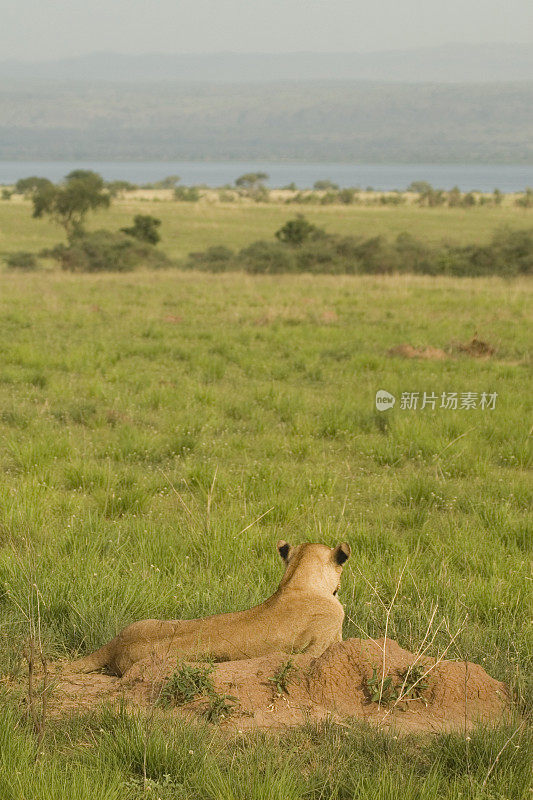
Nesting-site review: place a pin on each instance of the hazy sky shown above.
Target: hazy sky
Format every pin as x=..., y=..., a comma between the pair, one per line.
x=38, y=29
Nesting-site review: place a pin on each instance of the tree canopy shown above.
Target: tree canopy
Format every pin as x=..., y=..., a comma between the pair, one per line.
x=69, y=203
x=32, y=184
x=297, y=231
x=251, y=180
x=144, y=228
x=325, y=185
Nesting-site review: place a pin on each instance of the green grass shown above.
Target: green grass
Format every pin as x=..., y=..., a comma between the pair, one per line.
x=254, y=399
x=190, y=227
x=189, y=682
x=115, y=756
x=280, y=678
x=186, y=683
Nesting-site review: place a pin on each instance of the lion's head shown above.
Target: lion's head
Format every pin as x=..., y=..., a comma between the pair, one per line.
x=313, y=566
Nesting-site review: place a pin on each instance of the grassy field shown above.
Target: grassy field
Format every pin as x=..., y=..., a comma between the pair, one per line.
x=254, y=399
x=188, y=227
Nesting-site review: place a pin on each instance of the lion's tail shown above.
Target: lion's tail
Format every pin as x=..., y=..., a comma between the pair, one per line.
x=100, y=658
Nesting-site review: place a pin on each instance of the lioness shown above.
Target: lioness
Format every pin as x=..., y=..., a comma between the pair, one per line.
x=303, y=614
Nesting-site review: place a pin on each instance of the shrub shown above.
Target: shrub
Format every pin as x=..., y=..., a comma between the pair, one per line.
x=393, y=199
x=347, y=196
x=514, y=250
x=329, y=198
x=214, y=259
x=471, y=260
x=103, y=251
x=267, y=257
x=378, y=256
x=297, y=231
x=325, y=185
x=304, y=198
x=21, y=260
x=432, y=198
x=526, y=201
x=187, y=194
x=415, y=256
x=509, y=253
x=225, y=196
x=144, y=228
x=303, y=248
x=331, y=254
x=118, y=187
x=469, y=200
x=260, y=194
x=420, y=187
x=454, y=197
x=165, y=183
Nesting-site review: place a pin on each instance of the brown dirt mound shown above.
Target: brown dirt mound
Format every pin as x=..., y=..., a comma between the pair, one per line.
x=338, y=685
x=476, y=348
x=427, y=353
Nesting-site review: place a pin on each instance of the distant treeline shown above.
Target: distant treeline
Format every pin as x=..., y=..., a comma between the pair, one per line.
x=302, y=247
x=299, y=246
x=427, y=196
x=251, y=186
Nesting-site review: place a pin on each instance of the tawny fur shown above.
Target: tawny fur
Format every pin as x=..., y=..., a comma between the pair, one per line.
x=303, y=615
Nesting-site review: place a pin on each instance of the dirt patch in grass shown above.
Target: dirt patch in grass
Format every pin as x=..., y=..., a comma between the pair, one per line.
x=347, y=681
x=329, y=316
x=425, y=353
x=475, y=347
x=295, y=315
x=288, y=316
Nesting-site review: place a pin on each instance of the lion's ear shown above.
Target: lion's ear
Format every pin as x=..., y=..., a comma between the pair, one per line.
x=341, y=553
x=283, y=549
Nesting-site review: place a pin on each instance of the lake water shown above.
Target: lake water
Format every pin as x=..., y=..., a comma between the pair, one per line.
x=485, y=177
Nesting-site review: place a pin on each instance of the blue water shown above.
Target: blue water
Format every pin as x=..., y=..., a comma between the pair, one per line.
x=485, y=177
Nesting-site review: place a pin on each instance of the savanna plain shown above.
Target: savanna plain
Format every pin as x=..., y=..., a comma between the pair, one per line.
x=161, y=430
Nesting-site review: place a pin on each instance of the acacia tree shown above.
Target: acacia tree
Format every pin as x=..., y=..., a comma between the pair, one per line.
x=251, y=185
x=69, y=203
x=251, y=180
x=420, y=187
x=325, y=186
x=28, y=186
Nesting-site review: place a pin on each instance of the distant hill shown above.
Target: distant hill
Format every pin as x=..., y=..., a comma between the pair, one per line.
x=306, y=121
x=455, y=63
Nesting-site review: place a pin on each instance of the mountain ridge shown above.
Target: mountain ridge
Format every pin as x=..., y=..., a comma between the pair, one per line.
x=329, y=121
x=452, y=63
